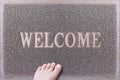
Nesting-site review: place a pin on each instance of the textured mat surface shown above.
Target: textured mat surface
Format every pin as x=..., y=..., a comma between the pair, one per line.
x=56, y=18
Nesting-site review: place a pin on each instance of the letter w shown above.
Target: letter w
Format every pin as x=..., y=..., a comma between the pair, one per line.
x=26, y=39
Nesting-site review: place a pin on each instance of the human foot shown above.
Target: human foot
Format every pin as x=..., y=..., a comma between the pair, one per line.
x=48, y=71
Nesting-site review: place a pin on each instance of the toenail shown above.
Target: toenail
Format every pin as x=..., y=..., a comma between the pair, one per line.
x=58, y=65
x=48, y=63
x=44, y=64
x=53, y=63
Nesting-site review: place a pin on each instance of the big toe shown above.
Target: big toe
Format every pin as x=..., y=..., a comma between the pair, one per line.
x=57, y=69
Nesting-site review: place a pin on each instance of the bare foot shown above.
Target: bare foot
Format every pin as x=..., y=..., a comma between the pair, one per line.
x=48, y=71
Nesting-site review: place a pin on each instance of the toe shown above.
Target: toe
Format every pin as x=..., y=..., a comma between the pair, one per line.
x=43, y=67
x=39, y=68
x=48, y=66
x=57, y=69
x=52, y=66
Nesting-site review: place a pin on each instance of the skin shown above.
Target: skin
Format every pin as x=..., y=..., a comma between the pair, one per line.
x=48, y=71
